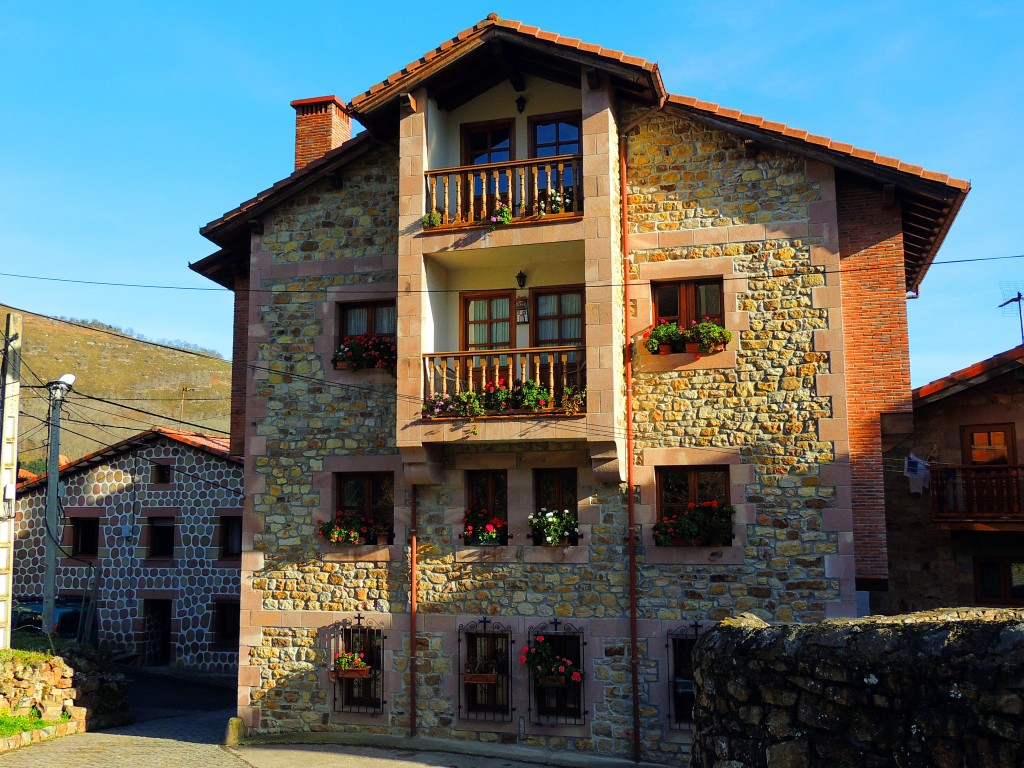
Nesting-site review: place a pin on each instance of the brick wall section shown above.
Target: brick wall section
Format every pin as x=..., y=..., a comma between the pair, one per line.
x=321, y=124
x=239, y=365
x=877, y=353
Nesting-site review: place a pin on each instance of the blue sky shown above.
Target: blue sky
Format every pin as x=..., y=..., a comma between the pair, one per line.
x=127, y=126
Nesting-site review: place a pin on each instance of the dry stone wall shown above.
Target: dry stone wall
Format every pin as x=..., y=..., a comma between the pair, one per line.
x=941, y=689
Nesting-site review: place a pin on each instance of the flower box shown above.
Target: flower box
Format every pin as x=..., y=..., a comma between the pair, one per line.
x=352, y=673
x=552, y=681
x=480, y=678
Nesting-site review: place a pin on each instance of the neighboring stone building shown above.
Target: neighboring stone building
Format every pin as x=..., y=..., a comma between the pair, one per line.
x=958, y=539
x=524, y=206
x=151, y=535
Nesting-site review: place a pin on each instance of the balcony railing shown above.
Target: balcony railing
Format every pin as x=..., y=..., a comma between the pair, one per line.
x=468, y=195
x=968, y=494
x=559, y=370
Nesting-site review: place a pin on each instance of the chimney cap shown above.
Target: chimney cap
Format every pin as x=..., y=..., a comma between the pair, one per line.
x=320, y=100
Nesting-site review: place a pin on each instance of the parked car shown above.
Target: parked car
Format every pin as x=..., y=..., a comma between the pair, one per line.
x=67, y=617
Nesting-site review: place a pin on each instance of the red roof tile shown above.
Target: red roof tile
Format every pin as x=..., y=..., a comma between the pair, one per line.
x=965, y=377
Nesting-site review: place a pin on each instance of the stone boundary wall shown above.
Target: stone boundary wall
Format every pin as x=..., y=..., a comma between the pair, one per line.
x=941, y=688
x=46, y=686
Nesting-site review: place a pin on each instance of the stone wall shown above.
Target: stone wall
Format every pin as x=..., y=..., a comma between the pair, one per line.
x=940, y=689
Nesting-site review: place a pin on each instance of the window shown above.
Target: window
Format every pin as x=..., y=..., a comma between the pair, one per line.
x=558, y=699
x=693, y=507
x=681, y=685
x=377, y=318
x=484, y=143
x=485, y=692
x=556, y=489
x=488, y=492
x=225, y=625
x=230, y=537
x=688, y=301
x=367, y=500
x=551, y=136
x=558, y=317
x=85, y=536
x=989, y=444
x=680, y=486
x=999, y=580
x=161, y=474
x=487, y=321
x=359, y=694
x=161, y=537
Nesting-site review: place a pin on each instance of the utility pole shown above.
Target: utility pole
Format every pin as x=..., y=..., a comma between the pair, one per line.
x=10, y=390
x=58, y=390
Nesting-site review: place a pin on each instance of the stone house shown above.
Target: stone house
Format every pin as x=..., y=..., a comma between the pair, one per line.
x=956, y=532
x=441, y=325
x=151, y=539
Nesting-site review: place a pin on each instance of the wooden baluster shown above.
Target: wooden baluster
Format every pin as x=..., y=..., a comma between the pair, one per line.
x=483, y=190
x=535, y=204
x=521, y=177
x=511, y=192
x=431, y=193
x=458, y=198
x=446, y=210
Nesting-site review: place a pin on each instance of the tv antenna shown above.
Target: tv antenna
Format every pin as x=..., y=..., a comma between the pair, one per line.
x=1018, y=300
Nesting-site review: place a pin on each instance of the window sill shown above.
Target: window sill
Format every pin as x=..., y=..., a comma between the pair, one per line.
x=360, y=553
x=681, y=555
x=157, y=561
x=233, y=563
x=79, y=561
x=646, y=363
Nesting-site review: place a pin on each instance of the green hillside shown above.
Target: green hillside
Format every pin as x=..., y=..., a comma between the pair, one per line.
x=150, y=377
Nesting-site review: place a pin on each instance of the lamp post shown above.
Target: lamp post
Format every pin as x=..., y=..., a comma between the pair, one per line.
x=58, y=391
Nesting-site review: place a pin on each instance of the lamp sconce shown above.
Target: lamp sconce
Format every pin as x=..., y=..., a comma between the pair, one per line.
x=521, y=104
x=521, y=279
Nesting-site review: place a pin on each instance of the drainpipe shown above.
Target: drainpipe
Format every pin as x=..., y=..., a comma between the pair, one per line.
x=412, y=615
x=634, y=659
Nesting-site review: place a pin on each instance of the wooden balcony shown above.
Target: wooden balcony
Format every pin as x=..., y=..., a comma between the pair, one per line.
x=559, y=370
x=973, y=495
x=468, y=195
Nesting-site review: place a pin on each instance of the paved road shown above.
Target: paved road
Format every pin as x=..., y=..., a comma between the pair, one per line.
x=181, y=725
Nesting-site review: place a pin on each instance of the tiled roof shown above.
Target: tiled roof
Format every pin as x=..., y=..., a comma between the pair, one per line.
x=969, y=376
x=824, y=142
x=217, y=446
x=449, y=47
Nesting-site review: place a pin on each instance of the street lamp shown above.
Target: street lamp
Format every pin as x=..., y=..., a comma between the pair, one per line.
x=58, y=391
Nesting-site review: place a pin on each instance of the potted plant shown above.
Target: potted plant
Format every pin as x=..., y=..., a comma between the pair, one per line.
x=546, y=666
x=502, y=215
x=530, y=396
x=463, y=404
x=573, y=400
x=432, y=219
x=708, y=335
x=367, y=350
x=700, y=524
x=482, y=529
x=343, y=529
x=553, y=528
x=554, y=203
x=661, y=337
x=481, y=671
x=349, y=665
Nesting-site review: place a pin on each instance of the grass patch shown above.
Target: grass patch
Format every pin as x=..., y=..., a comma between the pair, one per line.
x=26, y=657
x=12, y=724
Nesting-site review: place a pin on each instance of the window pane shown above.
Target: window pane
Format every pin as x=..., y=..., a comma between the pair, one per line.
x=709, y=302
x=547, y=305
x=384, y=319
x=568, y=131
x=499, y=308
x=711, y=485
x=675, y=487
x=547, y=331
x=571, y=303
x=571, y=329
x=356, y=320
x=545, y=133
x=666, y=299
x=353, y=493
x=501, y=334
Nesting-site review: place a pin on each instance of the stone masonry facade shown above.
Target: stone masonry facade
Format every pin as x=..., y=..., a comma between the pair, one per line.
x=674, y=194
x=119, y=491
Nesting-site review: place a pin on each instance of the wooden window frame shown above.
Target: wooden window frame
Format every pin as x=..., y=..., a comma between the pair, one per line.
x=966, y=443
x=687, y=298
x=489, y=503
x=566, y=704
x=692, y=482
x=368, y=509
x=226, y=525
x=151, y=526
x=560, y=502
x=161, y=474
x=489, y=701
x=225, y=623
x=467, y=128
x=537, y=293
x=1005, y=563
x=571, y=116
x=464, y=300
x=371, y=307
x=77, y=528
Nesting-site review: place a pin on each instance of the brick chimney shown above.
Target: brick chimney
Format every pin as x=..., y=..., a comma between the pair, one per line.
x=321, y=124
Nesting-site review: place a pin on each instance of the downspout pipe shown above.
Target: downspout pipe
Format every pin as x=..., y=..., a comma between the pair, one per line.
x=634, y=633
x=412, y=613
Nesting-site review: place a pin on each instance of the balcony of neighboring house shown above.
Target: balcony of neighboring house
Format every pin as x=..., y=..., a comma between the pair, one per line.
x=978, y=497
